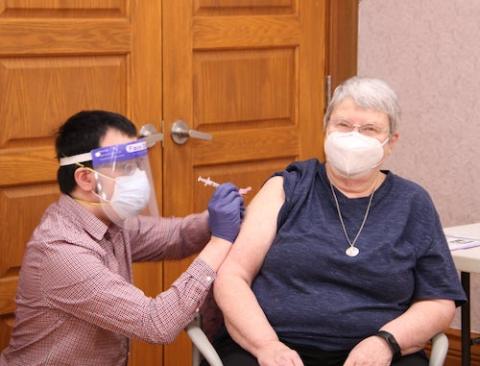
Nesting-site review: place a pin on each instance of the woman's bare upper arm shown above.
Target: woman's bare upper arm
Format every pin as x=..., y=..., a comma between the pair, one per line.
x=257, y=232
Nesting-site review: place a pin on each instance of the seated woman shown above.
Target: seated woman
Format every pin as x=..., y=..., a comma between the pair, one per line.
x=339, y=263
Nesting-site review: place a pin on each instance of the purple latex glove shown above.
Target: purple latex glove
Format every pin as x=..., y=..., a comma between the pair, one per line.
x=225, y=211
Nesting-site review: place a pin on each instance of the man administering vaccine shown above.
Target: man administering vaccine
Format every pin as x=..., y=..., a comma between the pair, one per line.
x=76, y=304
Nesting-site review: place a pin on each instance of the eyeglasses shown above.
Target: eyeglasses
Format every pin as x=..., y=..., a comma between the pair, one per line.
x=369, y=129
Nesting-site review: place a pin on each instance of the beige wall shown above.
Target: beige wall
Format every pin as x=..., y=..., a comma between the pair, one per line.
x=429, y=52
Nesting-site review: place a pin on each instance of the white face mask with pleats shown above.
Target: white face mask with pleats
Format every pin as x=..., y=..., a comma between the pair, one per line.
x=130, y=195
x=352, y=153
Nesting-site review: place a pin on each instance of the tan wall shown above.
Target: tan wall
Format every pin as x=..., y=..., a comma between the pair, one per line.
x=429, y=51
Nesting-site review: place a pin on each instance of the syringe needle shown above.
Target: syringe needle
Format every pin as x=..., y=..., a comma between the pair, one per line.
x=209, y=182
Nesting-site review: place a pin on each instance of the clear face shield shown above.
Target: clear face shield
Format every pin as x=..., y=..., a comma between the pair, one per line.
x=123, y=181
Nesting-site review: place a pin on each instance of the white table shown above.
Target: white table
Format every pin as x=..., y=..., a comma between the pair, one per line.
x=466, y=261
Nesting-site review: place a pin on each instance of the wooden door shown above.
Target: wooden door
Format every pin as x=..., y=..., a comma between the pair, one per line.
x=56, y=58
x=251, y=73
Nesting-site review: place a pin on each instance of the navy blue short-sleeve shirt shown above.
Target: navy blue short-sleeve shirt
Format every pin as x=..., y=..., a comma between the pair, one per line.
x=313, y=294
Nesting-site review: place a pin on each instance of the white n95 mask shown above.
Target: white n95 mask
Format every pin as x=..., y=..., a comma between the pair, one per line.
x=352, y=153
x=130, y=194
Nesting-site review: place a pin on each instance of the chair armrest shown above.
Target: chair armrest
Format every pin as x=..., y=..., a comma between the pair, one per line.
x=200, y=341
x=202, y=344
x=439, y=350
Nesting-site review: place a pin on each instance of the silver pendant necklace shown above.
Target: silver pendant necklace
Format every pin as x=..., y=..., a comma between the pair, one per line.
x=352, y=250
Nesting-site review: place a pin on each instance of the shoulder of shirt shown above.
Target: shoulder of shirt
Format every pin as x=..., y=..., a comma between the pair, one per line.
x=406, y=184
x=404, y=188
x=59, y=227
x=300, y=168
x=303, y=164
x=299, y=175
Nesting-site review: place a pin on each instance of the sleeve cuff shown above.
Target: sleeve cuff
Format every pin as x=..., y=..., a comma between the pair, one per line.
x=202, y=272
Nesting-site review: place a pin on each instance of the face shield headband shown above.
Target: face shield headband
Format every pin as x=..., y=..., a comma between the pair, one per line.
x=109, y=154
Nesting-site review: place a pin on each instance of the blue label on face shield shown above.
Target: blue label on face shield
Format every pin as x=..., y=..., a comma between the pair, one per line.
x=110, y=155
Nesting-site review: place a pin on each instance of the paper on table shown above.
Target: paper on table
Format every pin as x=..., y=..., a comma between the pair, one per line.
x=459, y=242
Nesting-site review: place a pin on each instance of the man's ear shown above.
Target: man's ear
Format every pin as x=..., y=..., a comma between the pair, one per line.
x=85, y=179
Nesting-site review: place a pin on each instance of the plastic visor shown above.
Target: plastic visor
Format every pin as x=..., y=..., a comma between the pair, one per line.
x=124, y=182
x=116, y=154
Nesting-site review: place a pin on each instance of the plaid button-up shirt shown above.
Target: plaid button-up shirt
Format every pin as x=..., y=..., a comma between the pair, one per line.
x=76, y=304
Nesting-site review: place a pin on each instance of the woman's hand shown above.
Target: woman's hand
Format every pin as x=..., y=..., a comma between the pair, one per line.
x=275, y=353
x=372, y=351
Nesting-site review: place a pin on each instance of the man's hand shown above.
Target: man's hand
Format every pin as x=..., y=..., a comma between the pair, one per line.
x=225, y=212
x=372, y=351
x=275, y=353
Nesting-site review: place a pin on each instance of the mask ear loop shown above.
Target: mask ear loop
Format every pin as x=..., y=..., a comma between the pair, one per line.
x=95, y=192
x=386, y=140
x=382, y=144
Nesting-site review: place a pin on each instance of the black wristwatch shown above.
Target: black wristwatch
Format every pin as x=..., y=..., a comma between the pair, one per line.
x=392, y=343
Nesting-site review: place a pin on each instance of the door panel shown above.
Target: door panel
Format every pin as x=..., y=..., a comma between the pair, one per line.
x=251, y=74
x=34, y=90
x=254, y=7
x=240, y=81
x=55, y=8
x=57, y=58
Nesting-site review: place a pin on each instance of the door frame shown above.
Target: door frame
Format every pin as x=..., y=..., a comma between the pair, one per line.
x=342, y=41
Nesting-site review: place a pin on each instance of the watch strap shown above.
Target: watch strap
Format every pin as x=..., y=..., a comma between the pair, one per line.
x=392, y=343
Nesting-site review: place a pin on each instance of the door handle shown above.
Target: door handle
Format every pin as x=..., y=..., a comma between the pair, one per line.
x=150, y=134
x=181, y=133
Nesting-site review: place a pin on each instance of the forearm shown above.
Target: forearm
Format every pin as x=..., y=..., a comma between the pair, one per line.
x=245, y=320
x=160, y=238
x=215, y=252
x=172, y=310
x=420, y=323
x=88, y=290
x=194, y=233
x=167, y=315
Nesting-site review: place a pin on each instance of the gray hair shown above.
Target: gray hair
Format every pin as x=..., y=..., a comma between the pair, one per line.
x=367, y=93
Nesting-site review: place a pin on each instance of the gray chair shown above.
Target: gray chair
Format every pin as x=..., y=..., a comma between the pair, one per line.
x=439, y=350
x=203, y=347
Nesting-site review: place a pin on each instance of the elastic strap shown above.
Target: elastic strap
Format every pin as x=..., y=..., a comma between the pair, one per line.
x=75, y=159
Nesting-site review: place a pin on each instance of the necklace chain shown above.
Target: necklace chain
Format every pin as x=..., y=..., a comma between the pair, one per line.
x=352, y=243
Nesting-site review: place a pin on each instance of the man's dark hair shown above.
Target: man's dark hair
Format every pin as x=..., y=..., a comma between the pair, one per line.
x=82, y=133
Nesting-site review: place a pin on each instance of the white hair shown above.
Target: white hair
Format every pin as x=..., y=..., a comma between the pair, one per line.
x=367, y=93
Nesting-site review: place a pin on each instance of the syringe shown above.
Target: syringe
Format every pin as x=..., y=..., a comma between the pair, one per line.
x=209, y=182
